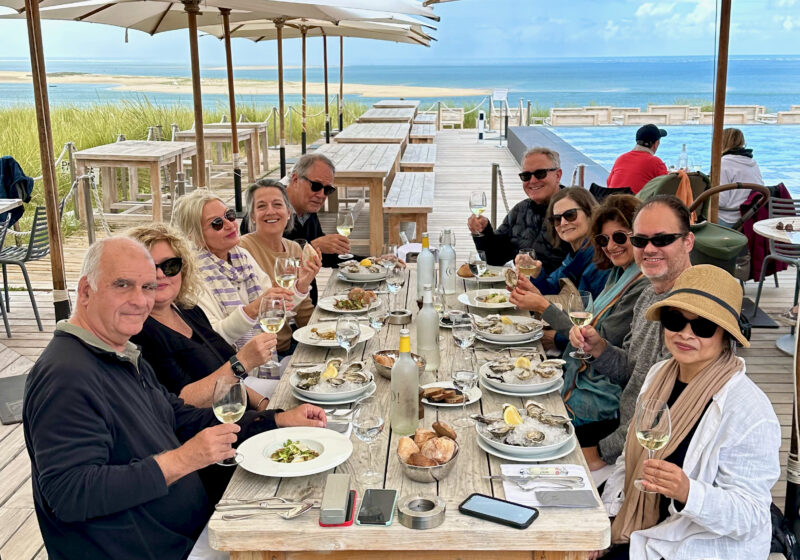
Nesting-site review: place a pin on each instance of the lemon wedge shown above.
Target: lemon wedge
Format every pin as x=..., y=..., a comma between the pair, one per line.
x=366, y=262
x=506, y=320
x=330, y=372
x=523, y=362
x=511, y=415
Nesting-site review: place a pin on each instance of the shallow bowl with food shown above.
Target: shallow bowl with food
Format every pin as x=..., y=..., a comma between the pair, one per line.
x=386, y=371
x=525, y=451
x=516, y=328
x=328, y=392
x=428, y=474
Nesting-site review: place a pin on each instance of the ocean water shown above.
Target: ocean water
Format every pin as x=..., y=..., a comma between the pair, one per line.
x=773, y=81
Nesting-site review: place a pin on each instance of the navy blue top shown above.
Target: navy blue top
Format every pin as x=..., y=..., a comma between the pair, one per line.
x=577, y=267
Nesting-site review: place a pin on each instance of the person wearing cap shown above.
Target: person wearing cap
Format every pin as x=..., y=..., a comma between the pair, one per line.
x=707, y=491
x=635, y=168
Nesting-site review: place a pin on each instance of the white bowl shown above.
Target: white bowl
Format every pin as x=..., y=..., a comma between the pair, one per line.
x=519, y=450
x=333, y=395
x=511, y=336
x=538, y=383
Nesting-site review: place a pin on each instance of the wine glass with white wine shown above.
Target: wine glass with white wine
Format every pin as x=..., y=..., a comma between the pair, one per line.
x=477, y=205
x=653, y=427
x=368, y=422
x=271, y=319
x=464, y=375
x=581, y=312
x=229, y=403
x=477, y=263
x=344, y=225
x=527, y=264
x=286, y=271
x=347, y=334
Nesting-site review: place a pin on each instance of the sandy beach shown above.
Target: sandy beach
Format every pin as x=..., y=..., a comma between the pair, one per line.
x=160, y=84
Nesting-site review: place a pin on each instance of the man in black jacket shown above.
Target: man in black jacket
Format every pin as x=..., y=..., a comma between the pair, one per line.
x=114, y=456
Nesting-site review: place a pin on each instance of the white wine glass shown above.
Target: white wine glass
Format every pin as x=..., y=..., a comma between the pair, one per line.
x=368, y=422
x=477, y=263
x=463, y=331
x=653, y=427
x=527, y=264
x=377, y=314
x=464, y=375
x=581, y=312
x=272, y=317
x=477, y=205
x=286, y=271
x=440, y=300
x=229, y=403
x=344, y=225
x=395, y=279
x=388, y=258
x=347, y=334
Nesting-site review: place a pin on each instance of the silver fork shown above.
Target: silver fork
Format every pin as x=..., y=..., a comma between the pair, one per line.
x=296, y=511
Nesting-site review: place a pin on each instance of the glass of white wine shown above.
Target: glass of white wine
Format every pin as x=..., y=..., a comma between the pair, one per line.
x=477, y=205
x=229, y=403
x=286, y=271
x=477, y=263
x=368, y=422
x=653, y=428
x=347, y=334
x=440, y=300
x=527, y=264
x=271, y=318
x=581, y=312
x=344, y=225
x=464, y=375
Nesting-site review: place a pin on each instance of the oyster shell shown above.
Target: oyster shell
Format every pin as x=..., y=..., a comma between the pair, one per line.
x=484, y=419
x=534, y=409
x=485, y=323
x=496, y=329
x=345, y=264
x=335, y=381
x=375, y=268
x=534, y=436
x=500, y=430
x=308, y=382
x=353, y=269
x=496, y=376
x=358, y=377
x=335, y=362
x=526, y=327
x=554, y=420
x=511, y=278
x=547, y=373
x=523, y=374
x=501, y=366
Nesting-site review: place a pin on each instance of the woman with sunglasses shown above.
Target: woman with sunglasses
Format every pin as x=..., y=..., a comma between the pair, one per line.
x=708, y=489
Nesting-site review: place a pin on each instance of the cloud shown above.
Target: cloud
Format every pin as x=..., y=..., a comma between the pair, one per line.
x=649, y=9
x=785, y=3
x=611, y=30
x=790, y=23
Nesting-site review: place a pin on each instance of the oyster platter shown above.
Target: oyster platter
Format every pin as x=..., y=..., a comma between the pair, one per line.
x=324, y=334
x=531, y=431
x=367, y=269
x=486, y=298
x=332, y=380
x=522, y=375
x=507, y=328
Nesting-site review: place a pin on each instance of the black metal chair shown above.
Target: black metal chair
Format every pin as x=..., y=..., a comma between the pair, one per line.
x=788, y=253
x=38, y=247
x=3, y=231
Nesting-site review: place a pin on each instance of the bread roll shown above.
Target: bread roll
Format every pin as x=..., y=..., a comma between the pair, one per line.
x=444, y=429
x=440, y=449
x=422, y=435
x=386, y=361
x=464, y=271
x=420, y=460
x=406, y=447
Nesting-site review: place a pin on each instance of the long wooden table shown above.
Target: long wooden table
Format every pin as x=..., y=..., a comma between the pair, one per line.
x=364, y=165
x=225, y=135
x=375, y=133
x=397, y=104
x=558, y=533
x=396, y=115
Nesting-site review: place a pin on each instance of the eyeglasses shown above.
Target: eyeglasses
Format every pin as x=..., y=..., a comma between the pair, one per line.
x=620, y=238
x=316, y=186
x=673, y=320
x=217, y=223
x=570, y=215
x=171, y=267
x=539, y=174
x=660, y=240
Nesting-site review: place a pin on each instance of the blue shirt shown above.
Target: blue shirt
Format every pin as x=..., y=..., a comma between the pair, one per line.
x=579, y=269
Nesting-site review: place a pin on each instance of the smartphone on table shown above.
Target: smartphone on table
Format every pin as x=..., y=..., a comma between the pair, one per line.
x=377, y=507
x=498, y=511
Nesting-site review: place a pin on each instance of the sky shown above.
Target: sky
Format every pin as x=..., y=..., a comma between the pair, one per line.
x=470, y=32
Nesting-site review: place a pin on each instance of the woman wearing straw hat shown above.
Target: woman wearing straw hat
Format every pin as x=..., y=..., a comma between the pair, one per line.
x=708, y=489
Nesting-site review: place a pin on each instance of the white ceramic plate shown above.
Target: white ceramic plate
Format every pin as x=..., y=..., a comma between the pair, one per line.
x=329, y=304
x=512, y=335
x=328, y=397
x=533, y=338
x=368, y=390
x=305, y=335
x=532, y=392
x=519, y=388
x=368, y=276
x=521, y=451
x=333, y=448
x=341, y=276
x=474, y=395
x=499, y=270
x=567, y=448
x=468, y=298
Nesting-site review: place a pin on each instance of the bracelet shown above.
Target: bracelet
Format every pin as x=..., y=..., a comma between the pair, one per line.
x=262, y=400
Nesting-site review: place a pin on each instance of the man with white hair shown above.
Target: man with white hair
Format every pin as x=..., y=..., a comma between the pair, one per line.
x=113, y=454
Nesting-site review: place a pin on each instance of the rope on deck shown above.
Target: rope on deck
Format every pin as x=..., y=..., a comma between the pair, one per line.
x=58, y=161
x=502, y=187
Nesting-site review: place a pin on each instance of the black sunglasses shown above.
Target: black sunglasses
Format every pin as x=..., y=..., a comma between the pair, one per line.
x=217, y=223
x=620, y=238
x=316, y=186
x=539, y=174
x=660, y=240
x=673, y=320
x=171, y=267
x=570, y=215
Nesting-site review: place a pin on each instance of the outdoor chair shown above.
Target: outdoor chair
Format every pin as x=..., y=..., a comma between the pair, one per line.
x=788, y=253
x=3, y=230
x=38, y=247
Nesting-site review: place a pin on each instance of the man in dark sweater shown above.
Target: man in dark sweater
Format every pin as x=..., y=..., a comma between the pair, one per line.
x=114, y=456
x=524, y=226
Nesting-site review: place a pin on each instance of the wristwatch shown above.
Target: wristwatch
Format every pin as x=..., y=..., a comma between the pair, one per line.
x=238, y=368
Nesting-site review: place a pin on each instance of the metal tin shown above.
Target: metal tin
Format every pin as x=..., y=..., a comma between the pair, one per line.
x=400, y=317
x=333, y=509
x=421, y=512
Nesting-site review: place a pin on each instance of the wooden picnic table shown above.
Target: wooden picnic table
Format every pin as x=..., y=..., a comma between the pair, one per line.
x=397, y=104
x=396, y=115
x=134, y=154
x=260, y=140
x=213, y=134
x=558, y=533
x=364, y=165
x=375, y=133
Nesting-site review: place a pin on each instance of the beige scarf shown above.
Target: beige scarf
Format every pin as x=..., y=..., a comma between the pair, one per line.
x=640, y=509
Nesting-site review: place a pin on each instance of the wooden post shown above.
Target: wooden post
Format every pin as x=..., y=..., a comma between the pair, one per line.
x=192, y=8
x=495, y=169
x=327, y=110
x=60, y=296
x=438, y=115
x=528, y=116
x=73, y=174
x=341, y=83
x=237, y=171
x=303, y=33
x=719, y=104
x=282, y=149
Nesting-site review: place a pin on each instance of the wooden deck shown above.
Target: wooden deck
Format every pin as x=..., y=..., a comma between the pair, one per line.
x=462, y=165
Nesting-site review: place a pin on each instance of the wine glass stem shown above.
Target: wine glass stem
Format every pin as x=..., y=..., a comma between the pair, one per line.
x=650, y=453
x=369, y=457
x=464, y=402
x=347, y=355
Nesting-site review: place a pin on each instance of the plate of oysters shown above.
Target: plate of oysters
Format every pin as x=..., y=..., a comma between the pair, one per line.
x=332, y=381
x=507, y=328
x=324, y=334
x=531, y=431
x=366, y=270
x=523, y=375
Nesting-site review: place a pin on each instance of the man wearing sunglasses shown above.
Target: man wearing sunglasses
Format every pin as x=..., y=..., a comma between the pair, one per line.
x=635, y=168
x=524, y=226
x=661, y=245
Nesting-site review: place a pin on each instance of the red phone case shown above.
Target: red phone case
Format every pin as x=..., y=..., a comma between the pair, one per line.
x=351, y=507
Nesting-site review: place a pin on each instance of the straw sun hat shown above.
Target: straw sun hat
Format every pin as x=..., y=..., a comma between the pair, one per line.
x=709, y=292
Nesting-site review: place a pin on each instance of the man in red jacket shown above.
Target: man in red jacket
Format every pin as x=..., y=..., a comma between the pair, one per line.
x=635, y=168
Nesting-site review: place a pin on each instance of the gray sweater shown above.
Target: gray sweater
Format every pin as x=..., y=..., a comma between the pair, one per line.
x=628, y=366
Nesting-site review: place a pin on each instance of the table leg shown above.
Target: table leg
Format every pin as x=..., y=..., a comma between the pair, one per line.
x=155, y=189
x=133, y=175
x=172, y=176
x=265, y=150
x=256, y=153
x=109, y=185
x=195, y=163
x=333, y=202
x=251, y=156
x=375, y=215
x=80, y=200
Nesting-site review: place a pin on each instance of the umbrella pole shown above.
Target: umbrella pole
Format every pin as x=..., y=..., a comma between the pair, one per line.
x=192, y=8
x=303, y=32
x=279, y=27
x=237, y=171
x=719, y=104
x=327, y=110
x=60, y=296
x=341, y=83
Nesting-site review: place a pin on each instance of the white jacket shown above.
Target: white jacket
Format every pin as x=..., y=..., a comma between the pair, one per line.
x=732, y=463
x=736, y=169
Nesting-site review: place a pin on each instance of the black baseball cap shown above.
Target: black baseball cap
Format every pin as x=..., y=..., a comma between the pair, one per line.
x=649, y=134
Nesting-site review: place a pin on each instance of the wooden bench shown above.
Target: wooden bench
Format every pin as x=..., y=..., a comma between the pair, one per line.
x=452, y=117
x=418, y=157
x=422, y=133
x=410, y=199
x=425, y=118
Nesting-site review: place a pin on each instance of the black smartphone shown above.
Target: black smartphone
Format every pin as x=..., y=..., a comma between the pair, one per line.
x=499, y=511
x=377, y=507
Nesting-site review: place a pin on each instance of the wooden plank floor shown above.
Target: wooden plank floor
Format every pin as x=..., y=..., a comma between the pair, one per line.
x=462, y=165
